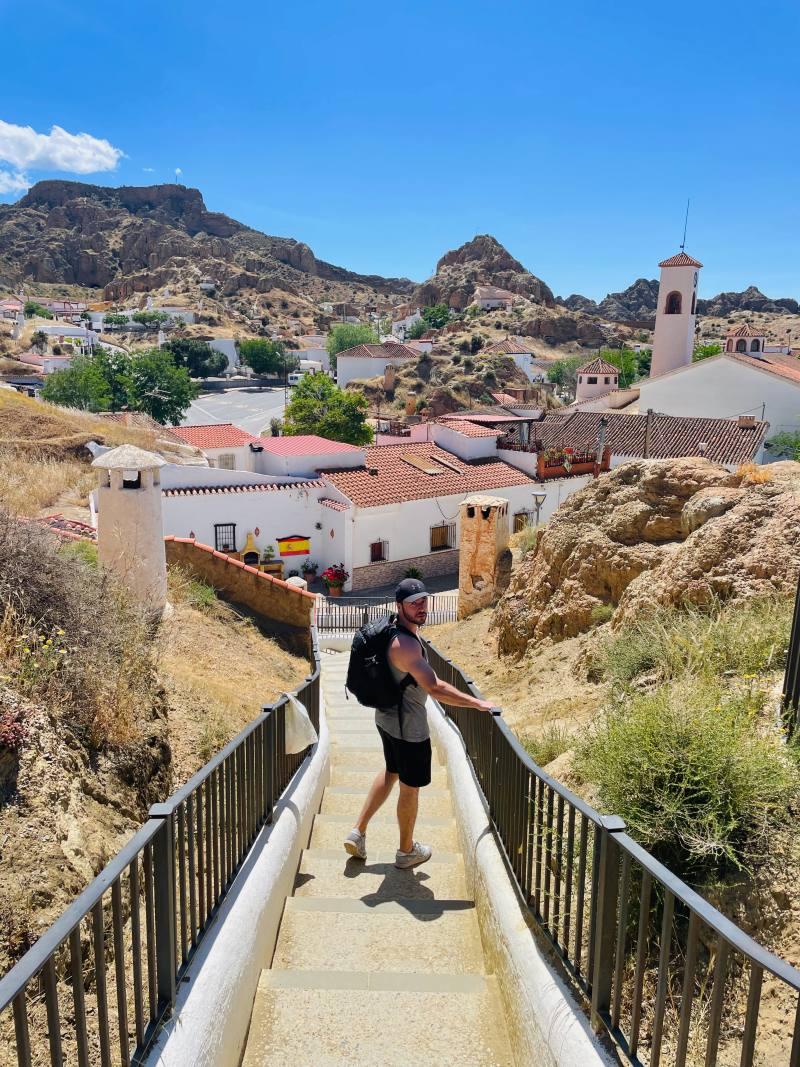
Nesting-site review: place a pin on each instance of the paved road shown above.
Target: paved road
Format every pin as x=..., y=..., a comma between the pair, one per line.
x=250, y=408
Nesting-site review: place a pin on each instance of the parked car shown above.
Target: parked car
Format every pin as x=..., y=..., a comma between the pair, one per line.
x=296, y=377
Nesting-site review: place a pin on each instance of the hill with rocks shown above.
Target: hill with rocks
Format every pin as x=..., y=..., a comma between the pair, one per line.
x=136, y=239
x=655, y=533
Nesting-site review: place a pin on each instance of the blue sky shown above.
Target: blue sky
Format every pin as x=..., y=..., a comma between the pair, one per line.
x=385, y=134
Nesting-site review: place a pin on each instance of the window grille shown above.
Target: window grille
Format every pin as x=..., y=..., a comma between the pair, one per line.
x=443, y=536
x=225, y=536
x=378, y=551
x=227, y=461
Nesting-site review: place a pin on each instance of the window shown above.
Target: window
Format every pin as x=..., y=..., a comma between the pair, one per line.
x=378, y=551
x=521, y=520
x=225, y=536
x=674, y=304
x=591, y=380
x=227, y=461
x=607, y=380
x=694, y=302
x=443, y=536
x=755, y=346
x=741, y=346
x=131, y=479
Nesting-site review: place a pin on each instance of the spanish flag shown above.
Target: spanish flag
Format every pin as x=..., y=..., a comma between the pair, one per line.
x=294, y=545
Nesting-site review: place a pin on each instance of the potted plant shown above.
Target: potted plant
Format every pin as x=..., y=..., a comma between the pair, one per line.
x=334, y=578
x=269, y=564
x=309, y=569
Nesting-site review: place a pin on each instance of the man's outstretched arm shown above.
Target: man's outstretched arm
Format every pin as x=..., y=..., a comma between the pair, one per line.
x=406, y=655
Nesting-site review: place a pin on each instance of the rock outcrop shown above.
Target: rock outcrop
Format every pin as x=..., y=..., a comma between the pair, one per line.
x=750, y=299
x=122, y=239
x=481, y=261
x=655, y=533
x=639, y=301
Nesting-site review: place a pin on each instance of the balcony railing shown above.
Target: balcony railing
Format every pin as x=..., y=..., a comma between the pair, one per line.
x=655, y=962
x=107, y=969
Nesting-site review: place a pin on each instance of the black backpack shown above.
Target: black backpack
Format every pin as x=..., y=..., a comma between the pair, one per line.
x=369, y=676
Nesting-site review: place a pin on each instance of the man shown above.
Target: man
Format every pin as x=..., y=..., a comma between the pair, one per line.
x=407, y=753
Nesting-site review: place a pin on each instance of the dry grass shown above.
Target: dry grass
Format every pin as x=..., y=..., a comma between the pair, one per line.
x=753, y=474
x=31, y=484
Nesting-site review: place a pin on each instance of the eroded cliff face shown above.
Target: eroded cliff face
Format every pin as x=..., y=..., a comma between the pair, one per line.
x=655, y=533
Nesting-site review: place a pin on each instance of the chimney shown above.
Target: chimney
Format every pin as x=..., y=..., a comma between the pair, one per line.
x=648, y=433
x=746, y=422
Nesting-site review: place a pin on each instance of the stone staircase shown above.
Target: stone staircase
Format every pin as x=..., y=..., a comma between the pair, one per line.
x=374, y=965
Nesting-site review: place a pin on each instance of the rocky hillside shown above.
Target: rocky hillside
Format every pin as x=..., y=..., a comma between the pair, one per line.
x=639, y=301
x=655, y=533
x=135, y=239
x=481, y=261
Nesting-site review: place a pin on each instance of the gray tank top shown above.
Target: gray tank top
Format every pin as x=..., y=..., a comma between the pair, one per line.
x=415, y=713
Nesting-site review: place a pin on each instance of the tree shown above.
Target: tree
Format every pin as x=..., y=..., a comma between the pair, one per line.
x=564, y=372
x=785, y=445
x=198, y=357
x=39, y=341
x=705, y=352
x=262, y=356
x=115, y=367
x=625, y=360
x=416, y=330
x=345, y=335
x=31, y=309
x=645, y=358
x=436, y=316
x=318, y=406
x=150, y=319
x=158, y=387
x=82, y=385
x=112, y=319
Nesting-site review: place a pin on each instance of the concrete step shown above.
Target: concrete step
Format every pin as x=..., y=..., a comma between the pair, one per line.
x=351, y=1019
x=360, y=777
x=438, y=832
x=347, y=800
x=330, y=873
x=332, y=934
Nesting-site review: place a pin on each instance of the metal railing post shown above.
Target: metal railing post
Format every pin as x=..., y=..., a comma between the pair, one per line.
x=791, y=677
x=605, y=893
x=164, y=883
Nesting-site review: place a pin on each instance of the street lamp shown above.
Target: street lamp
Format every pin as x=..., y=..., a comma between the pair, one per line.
x=539, y=499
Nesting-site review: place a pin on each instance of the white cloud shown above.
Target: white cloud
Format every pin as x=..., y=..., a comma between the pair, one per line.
x=77, y=153
x=178, y=172
x=148, y=170
x=13, y=182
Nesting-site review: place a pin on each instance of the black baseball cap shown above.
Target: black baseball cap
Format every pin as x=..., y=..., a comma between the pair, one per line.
x=409, y=590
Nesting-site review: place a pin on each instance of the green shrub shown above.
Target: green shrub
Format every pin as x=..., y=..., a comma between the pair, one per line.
x=548, y=745
x=745, y=638
x=601, y=613
x=524, y=540
x=688, y=770
x=413, y=572
x=84, y=550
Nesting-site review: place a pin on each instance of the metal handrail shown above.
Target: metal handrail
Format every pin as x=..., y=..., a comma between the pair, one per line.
x=178, y=868
x=579, y=873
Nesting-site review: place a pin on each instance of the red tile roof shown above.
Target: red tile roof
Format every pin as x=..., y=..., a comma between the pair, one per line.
x=784, y=366
x=598, y=366
x=503, y=398
x=745, y=331
x=469, y=429
x=508, y=346
x=396, y=480
x=672, y=436
x=387, y=350
x=334, y=505
x=304, y=444
x=267, y=487
x=216, y=435
x=680, y=260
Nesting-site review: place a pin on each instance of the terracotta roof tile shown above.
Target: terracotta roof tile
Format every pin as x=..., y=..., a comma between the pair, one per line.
x=469, y=429
x=387, y=350
x=745, y=331
x=503, y=398
x=334, y=505
x=509, y=346
x=784, y=366
x=672, y=436
x=680, y=260
x=598, y=366
x=216, y=435
x=269, y=487
x=396, y=480
x=304, y=444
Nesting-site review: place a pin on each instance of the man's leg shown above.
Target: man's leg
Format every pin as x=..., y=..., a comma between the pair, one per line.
x=378, y=793
x=407, y=804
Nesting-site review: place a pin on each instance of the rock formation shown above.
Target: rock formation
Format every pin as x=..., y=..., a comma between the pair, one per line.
x=131, y=239
x=655, y=533
x=638, y=303
x=481, y=261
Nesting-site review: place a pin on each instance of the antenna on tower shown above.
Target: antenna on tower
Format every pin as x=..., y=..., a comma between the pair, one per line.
x=685, y=224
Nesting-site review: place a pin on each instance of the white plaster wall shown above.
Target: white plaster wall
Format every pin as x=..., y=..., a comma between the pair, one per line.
x=350, y=367
x=244, y=459
x=181, y=476
x=318, y=353
x=602, y=384
x=674, y=334
x=721, y=388
x=529, y=366
x=466, y=448
x=306, y=466
x=227, y=346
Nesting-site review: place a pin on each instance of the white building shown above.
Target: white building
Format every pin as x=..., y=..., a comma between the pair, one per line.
x=407, y=316
x=596, y=378
x=534, y=369
x=224, y=445
x=313, y=347
x=488, y=297
x=673, y=341
x=745, y=339
x=369, y=361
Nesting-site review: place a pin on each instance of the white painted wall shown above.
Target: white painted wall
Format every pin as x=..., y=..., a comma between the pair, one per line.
x=306, y=466
x=401, y=327
x=591, y=385
x=673, y=340
x=317, y=353
x=244, y=459
x=350, y=367
x=529, y=366
x=466, y=448
x=227, y=346
x=720, y=387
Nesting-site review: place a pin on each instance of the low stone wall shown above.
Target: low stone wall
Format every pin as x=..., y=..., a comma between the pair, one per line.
x=283, y=608
x=431, y=566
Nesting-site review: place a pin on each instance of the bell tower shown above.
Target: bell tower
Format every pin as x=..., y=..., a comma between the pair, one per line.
x=675, y=314
x=484, y=561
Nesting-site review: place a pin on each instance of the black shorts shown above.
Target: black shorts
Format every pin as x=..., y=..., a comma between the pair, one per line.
x=411, y=760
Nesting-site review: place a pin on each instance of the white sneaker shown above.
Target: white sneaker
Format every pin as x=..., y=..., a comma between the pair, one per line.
x=418, y=854
x=355, y=844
